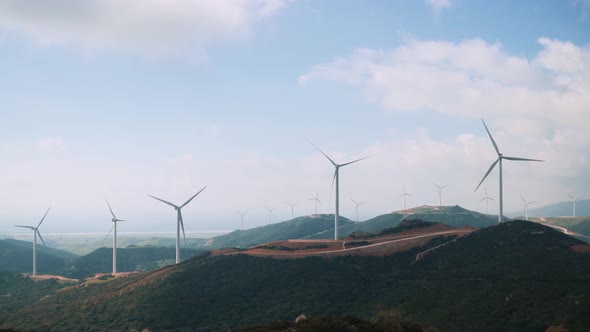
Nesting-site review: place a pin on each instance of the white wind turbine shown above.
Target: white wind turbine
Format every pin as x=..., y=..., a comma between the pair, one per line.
x=292, y=206
x=269, y=214
x=486, y=198
x=242, y=216
x=179, y=222
x=357, y=207
x=499, y=161
x=574, y=199
x=526, y=207
x=115, y=220
x=35, y=233
x=337, y=180
x=440, y=192
x=317, y=200
x=404, y=194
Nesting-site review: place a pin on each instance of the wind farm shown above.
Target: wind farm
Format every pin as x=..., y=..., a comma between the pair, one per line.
x=408, y=166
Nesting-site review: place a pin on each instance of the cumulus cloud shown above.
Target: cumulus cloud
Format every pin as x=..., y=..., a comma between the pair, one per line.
x=540, y=102
x=157, y=28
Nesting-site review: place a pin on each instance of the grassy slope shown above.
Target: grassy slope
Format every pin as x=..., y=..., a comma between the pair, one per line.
x=508, y=277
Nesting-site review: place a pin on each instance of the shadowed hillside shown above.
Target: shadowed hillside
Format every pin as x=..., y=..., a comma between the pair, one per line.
x=509, y=277
x=17, y=256
x=128, y=260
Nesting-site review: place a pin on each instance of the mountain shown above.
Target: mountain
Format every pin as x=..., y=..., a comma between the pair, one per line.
x=321, y=226
x=455, y=216
x=514, y=276
x=579, y=226
x=17, y=256
x=561, y=209
x=297, y=228
x=128, y=259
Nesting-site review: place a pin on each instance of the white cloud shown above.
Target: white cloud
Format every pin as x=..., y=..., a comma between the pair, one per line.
x=157, y=28
x=438, y=5
x=536, y=108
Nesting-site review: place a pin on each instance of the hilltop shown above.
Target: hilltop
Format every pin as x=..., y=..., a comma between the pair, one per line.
x=506, y=277
x=17, y=256
x=561, y=209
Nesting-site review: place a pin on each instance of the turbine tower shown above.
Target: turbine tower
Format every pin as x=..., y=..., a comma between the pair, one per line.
x=115, y=220
x=242, y=216
x=486, y=198
x=35, y=233
x=292, y=205
x=574, y=199
x=499, y=161
x=317, y=200
x=336, y=179
x=440, y=193
x=526, y=207
x=269, y=213
x=404, y=194
x=179, y=222
x=357, y=207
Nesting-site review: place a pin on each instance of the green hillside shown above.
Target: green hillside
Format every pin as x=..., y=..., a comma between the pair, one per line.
x=128, y=259
x=455, y=216
x=509, y=277
x=297, y=228
x=17, y=256
x=579, y=225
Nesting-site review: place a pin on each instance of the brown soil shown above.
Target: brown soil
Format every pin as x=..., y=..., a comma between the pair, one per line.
x=581, y=248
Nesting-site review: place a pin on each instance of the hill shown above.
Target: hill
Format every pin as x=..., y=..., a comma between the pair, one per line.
x=128, y=259
x=455, y=216
x=561, y=209
x=17, y=256
x=509, y=277
x=297, y=228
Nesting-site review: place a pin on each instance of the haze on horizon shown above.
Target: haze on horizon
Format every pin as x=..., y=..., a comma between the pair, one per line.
x=164, y=100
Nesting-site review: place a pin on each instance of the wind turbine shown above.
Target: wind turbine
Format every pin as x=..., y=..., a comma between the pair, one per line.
x=440, y=193
x=292, y=205
x=499, y=161
x=357, y=207
x=574, y=199
x=179, y=222
x=336, y=179
x=242, y=216
x=317, y=200
x=269, y=214
x=115, y=220
x=404, y=194
x=35, y=233
x=487, y=198
x=526, y=207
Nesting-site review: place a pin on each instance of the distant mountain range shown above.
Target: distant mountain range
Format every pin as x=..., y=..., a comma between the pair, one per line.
x=561, y=209
x=513, y=276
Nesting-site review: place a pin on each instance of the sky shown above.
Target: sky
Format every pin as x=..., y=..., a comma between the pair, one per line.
x=118, y=99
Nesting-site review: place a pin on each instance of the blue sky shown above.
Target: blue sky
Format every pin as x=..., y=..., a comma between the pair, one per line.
x=119, y=99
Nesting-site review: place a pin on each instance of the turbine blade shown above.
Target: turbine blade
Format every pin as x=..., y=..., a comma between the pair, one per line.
x=354, y=201
x=521, y=159
x=487, y=173
x=362, y=203
x=111, y=209
x=493, y=142
x=436, y=185
x=332, y=186
x=182, y=225
x=22, y=226
x=532, y=202
x=325, y=155
x=109, y=233
x=45, y=215
x=163, y=201
x=524, y=200
x=354, y=161
x=193, y=197
x=572, y=197
x=39, y=233
x=443, y=187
